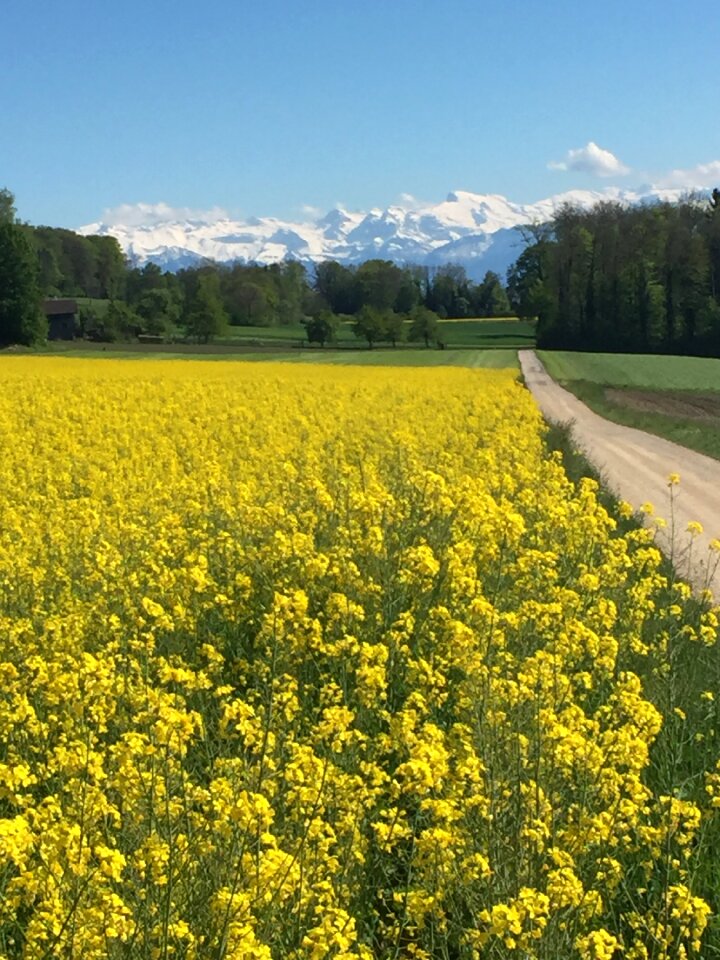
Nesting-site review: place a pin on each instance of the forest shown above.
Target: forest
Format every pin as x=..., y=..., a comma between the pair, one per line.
x=639, y=279
x=642, y=279
x=121, y=301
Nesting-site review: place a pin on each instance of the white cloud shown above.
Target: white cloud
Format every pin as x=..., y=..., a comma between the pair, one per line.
x=699, y=177
x=410, y=202
x=310, y=211
x=591, y=159
x=150, y=214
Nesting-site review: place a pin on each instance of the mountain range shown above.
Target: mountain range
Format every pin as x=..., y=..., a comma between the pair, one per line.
x=477, y=231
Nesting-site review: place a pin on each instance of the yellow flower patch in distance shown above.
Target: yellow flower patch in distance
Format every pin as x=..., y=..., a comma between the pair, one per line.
x=307, y=661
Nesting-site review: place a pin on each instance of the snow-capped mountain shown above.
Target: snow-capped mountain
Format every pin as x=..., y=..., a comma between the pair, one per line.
x=477, y=231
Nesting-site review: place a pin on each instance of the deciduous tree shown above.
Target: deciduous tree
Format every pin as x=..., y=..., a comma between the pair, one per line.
x=21, y=320
x=321, y=328
x=424, y=325
x=205, y=317
x=369, y=325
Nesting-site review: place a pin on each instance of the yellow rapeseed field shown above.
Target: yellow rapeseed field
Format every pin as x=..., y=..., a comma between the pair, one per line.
x=315, y=662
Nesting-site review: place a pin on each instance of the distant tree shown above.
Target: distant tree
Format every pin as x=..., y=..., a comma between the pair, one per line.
x=290, y=281
x=141, y=280
x=653, y=314
x=369, y=325
x=424, y=325
x=250, y=303
x=205, y=315
x=7, y=206
x=48, y=247
x=313, y=303
x=408, y=295
x=449, y=292
x=338, y=287
x=119, y=322
x=21, y=320
x=393, y=327
x=158, y=311
x=420, y=277
x=490, y=298
x=380, y=282
x=78, y=264
x=709, y=326
x=712, y=231
x=251, y=293
x=110, y=267
x=321, y=328
x=89, y=322
x=50, y=278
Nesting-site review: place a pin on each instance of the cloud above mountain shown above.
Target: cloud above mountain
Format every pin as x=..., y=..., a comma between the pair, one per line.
x=476, y=231
x=311, y=211
x=151, y=214
x=591, y=159
x=701, y=176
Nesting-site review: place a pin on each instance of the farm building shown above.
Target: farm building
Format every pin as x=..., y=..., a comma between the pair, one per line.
x=61, y=316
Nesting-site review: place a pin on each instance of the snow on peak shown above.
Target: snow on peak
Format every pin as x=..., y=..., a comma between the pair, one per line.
x=473, y=229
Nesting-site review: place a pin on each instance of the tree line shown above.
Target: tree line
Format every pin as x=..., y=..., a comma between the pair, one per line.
x=618, y=278
x=624, y=278
x=377, y=297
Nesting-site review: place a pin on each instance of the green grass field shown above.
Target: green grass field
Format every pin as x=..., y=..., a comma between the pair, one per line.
x=633, y=370
x=488, y=332
x=674, y=397
x=380, y=356
x=292, y=333
x=489, y=359
x=479, y=332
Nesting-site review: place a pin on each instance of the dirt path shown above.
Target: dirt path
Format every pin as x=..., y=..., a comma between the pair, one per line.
x=636, y=466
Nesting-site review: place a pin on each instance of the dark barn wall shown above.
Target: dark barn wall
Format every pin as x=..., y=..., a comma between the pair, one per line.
x=61, y=326
x=61, y=315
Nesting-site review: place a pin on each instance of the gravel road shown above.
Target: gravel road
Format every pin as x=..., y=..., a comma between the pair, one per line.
x=636, y=466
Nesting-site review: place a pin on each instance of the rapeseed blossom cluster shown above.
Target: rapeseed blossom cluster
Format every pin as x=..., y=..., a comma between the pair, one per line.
x=308, y=663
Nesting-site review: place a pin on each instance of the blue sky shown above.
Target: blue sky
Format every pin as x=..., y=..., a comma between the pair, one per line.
x=266, y=108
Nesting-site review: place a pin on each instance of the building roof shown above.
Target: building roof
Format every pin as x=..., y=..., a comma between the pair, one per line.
x=51, y=308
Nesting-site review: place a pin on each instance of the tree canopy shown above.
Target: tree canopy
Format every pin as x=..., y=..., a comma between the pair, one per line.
x=21, y=320
x=628, y=278
x=205, y=316
x=127, y=300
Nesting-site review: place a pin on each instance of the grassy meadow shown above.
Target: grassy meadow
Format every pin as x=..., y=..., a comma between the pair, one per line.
x=652, y=372
x=674, y=397
x=481, y=333
x=301, y=661
x=498, y=358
